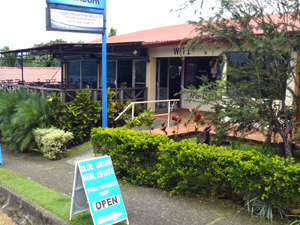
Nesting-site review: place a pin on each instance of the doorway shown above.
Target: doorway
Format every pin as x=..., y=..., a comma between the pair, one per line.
x=168, y=80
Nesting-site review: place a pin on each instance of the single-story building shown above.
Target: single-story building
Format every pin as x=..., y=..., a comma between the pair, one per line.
x=148, y=60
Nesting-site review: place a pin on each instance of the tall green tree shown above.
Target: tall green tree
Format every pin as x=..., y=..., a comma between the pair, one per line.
x=262, y=85
x=112, y=32
x=8, y=60
x=46, y=60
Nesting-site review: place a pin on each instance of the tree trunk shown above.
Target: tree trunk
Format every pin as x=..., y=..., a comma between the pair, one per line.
x=287, y=148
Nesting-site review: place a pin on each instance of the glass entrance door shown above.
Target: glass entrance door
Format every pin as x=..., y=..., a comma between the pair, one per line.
x=168, y=80
x=161, y=82
x=175, y=71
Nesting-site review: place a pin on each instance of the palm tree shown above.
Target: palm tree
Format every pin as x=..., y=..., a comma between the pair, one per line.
x=9, y=59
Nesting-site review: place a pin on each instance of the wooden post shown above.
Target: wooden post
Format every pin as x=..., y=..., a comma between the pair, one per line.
x=121, y=96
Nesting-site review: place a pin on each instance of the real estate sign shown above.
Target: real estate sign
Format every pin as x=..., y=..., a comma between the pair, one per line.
x=96, y=188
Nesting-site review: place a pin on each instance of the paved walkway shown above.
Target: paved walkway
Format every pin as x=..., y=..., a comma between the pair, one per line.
x=144, y=206
x=184, y=114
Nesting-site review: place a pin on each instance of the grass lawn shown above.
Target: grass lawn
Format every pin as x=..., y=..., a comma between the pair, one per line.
x=79, y=148
x=259, y=147
x=55, y=202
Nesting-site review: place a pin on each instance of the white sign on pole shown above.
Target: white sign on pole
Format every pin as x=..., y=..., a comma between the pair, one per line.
x=74, y=21
x=96, y=189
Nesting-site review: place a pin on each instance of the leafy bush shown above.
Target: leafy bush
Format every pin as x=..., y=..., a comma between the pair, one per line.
x=144, y=118
x=25, y=112
x=245, y=173
x=114, y=108
x=52, y=141
x=191, y=168
x=134, y=153
x=78, y=117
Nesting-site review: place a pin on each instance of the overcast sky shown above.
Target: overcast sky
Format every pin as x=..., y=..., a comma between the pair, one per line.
x=23, y=22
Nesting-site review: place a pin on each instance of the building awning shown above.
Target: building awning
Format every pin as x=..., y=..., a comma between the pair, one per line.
x=92, y=50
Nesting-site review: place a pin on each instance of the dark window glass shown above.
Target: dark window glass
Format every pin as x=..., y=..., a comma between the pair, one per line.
x=125, y=73
x=197, y=68
x=74, y=72
x=140, y=73
x=111, y=74
x=89, y=74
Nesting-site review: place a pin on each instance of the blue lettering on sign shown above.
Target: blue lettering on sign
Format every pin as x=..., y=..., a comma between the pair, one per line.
x=98, y=4
x=102, y=190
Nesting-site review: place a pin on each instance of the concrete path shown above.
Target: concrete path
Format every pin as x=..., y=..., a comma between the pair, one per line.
x=144, y=206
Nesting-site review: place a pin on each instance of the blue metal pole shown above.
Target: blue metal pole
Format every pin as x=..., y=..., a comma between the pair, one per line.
x=1, y=158
x=104, y=73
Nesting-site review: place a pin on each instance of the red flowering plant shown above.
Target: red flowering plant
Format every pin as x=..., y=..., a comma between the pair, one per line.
x=176, y=121
x=164, y=127
x=197, y=119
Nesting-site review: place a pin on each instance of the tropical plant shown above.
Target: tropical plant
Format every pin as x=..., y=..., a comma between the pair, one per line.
x=112, y=32
x=8, y=59
x=145, y=118
x=113, y=109
x=79, y=116
x=263, y=208
x=28, y=110
x=41, y=60
x=260, y=48
x=176, y=122
x=132, y=123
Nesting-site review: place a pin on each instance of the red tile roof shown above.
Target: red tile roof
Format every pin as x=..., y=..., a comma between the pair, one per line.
x=154, y=36
x=175, y=34
x=30, y=74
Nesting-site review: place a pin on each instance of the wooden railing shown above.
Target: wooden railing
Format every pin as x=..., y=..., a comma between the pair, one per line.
x=68, y=94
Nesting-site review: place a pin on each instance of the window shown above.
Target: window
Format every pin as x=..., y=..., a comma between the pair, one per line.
x=111, y=73
x=89, y=73
x=74, y=72
x=140, y=73
x=200, y=67
x=250, y=74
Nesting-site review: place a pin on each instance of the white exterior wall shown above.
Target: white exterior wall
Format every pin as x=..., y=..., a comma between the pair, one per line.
x=175, y=51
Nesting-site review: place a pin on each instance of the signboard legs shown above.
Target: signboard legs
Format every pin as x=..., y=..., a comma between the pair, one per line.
x=96, y=189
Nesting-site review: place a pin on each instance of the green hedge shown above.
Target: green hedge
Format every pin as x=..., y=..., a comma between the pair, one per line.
x=134, y=153
x=186, y=167
x=189, y=167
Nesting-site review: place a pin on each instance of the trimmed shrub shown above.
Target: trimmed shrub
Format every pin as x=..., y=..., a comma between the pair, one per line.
x=188, y=167
x=52, y=141
x=191, y=168
x=134, y=153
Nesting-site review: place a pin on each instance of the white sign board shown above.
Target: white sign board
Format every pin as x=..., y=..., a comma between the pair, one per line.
x=74, y=21
x=96, y=189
